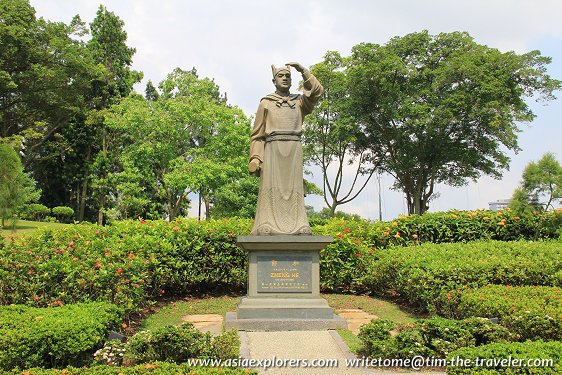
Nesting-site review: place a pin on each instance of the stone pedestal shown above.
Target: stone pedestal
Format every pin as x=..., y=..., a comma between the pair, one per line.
x=283, y=286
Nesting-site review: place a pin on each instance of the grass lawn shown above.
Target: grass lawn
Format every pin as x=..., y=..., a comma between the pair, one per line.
x=381, y=308
x=172, y=313
x=25, y=227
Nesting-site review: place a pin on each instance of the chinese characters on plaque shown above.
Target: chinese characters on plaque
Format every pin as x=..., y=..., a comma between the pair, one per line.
x=290, y=273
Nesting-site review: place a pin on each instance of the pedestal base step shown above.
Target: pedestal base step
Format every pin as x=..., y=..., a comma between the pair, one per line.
x=284, y=308
x=334, y=322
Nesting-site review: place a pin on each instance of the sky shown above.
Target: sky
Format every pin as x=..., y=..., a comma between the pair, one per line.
x=235, y=43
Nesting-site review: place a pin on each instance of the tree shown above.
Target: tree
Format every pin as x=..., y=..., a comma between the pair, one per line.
x=330, y=135
x=541, y=185
x=236, y=198
x=219, y=136
x=187, y=140
x=109, y=49
x=16, y=187
x=45, y=78
x=44, y=73
x=150, y=92
x=442, y=109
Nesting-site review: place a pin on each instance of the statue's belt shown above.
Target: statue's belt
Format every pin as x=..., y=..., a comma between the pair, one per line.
x=283, y=137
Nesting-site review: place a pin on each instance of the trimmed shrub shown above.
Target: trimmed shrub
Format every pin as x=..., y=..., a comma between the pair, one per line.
x=54, y=336
x=451, y=226
x=531, y=312
x=422, y=275
x=63, y=214
x=35, y=212
x=178, y=344
x=128, y=263
x=155, y=368
x=496, y=352
x=377, y=339
x=435, y=337
x=343, y=264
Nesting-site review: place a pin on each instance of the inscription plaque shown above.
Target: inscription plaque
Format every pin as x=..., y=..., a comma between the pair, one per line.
x=284, y=274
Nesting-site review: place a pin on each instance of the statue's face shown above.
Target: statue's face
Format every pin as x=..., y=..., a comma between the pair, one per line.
x=282, y=80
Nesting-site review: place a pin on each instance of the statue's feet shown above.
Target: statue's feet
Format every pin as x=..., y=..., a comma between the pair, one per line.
x=305, y=231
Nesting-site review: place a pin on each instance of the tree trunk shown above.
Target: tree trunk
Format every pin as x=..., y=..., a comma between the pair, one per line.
x=207, y=209
x=102, y=189
x=100, y=210
x=82, y=199
x=416, y=203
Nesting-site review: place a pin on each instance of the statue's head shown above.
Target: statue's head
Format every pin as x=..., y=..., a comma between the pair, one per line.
x=281, y=78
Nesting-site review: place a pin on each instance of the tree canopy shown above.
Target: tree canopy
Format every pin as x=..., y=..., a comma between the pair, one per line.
x=443, y=108
x=16, y=187
x=183, y=140
x=541, y=185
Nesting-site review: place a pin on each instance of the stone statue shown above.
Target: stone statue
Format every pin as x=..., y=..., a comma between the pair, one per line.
x=276, y=154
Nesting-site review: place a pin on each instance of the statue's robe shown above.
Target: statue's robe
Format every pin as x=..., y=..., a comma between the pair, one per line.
x=276, y=143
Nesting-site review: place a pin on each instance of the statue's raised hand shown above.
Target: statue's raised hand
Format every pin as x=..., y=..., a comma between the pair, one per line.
x=297, y=66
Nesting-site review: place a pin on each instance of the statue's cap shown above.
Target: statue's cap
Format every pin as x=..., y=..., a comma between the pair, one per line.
x=276, y=71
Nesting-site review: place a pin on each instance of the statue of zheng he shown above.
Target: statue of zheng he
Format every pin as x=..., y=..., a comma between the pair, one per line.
x=276, y=154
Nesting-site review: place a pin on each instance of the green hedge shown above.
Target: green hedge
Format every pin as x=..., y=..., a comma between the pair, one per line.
x=521, y=351
x=435, y=337
x=422, y=275
x=451, y=226
x=63, y=214
x=34, y=211
x=531, y=312
x=54, y=336
x=346, y=262
x=157, y=368
x=178, y=344
x=127, y=264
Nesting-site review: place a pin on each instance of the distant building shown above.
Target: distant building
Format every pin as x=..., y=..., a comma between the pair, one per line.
x=498, y=205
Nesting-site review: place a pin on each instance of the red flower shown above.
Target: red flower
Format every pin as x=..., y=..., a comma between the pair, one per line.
x=119, y=271
x=346, y=230
x=35, y=298
x=358, y=255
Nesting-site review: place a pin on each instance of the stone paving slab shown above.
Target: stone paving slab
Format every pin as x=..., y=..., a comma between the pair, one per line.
x=212, y=323
x=356, y=318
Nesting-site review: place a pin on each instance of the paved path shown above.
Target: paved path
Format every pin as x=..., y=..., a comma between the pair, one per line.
x=304, y=345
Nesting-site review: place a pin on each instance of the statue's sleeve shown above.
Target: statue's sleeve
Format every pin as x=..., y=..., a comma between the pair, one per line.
x=312, y=92
x=257, y=138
